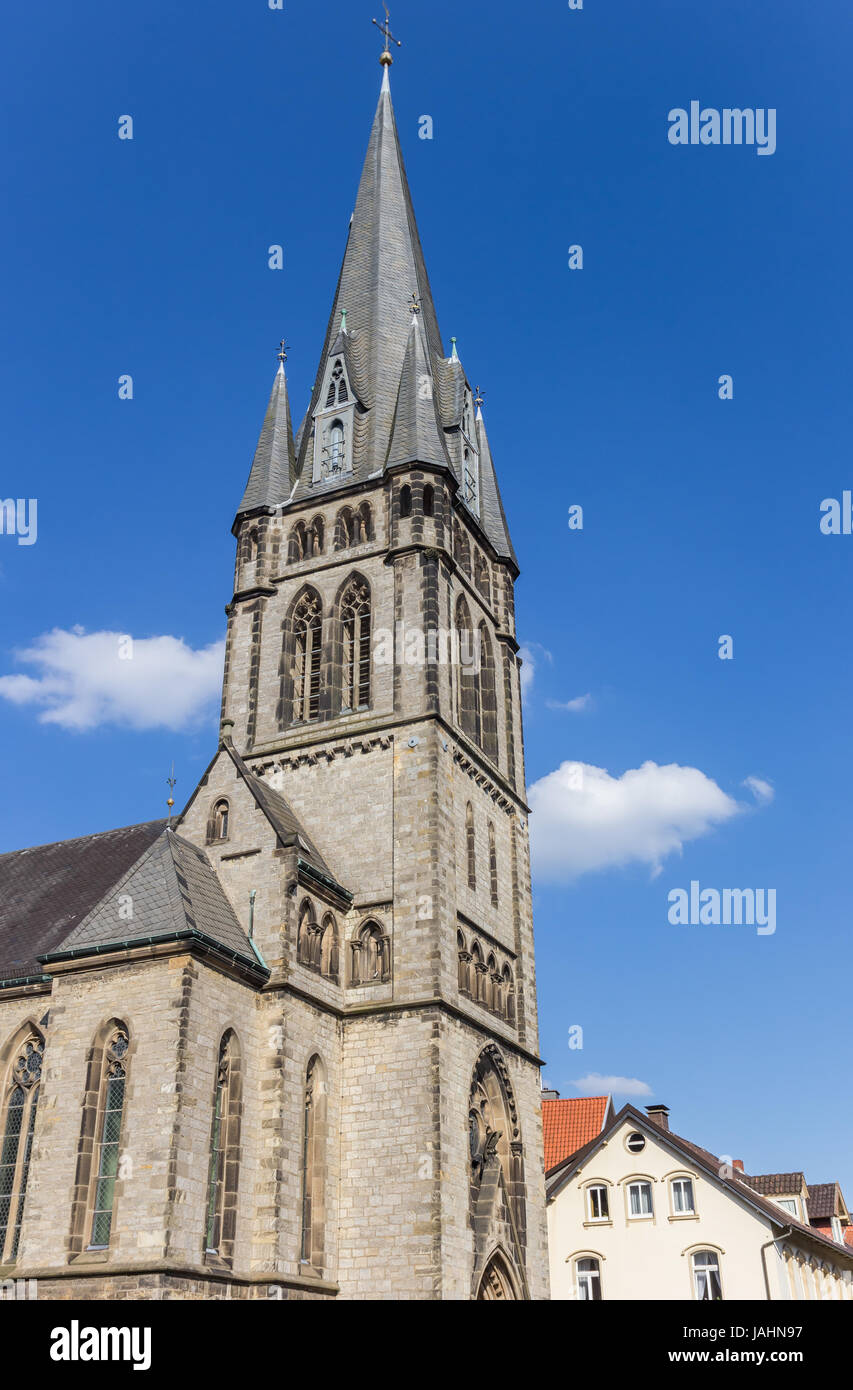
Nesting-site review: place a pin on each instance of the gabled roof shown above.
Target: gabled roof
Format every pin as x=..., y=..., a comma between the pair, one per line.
x=273, y=467
x=47, y=890
x=171, y=890
x=728, y=1177
x=569, y=1124
x=282, y=818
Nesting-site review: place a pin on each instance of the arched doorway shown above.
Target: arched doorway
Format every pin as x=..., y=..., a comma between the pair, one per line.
x=496, y=1283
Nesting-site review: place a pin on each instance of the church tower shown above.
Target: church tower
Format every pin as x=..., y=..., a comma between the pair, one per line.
x=365, y=813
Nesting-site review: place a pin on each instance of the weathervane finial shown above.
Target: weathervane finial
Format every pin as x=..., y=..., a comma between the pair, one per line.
x=415, y=304
x=283, y=350
x=171, y=801
x=478, y=399
x=385, y=30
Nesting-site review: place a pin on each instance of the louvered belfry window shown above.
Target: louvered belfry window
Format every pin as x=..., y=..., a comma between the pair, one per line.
x=18, y=1120
x=306, y=664
x=355, y=621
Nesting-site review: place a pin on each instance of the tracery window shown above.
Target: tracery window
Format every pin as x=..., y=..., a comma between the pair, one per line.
x=337, y=392
x=468, y=684
x=355, y=624
x=105, y=1160
x=17, y=1118
x=306, y=658
x=224, y=1166
x=488, y=696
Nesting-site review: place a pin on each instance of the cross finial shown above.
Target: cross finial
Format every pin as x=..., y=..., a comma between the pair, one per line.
x=385, y=30
x=415, y=305
x=283, y=350
x=478, y=399
x=171, y=780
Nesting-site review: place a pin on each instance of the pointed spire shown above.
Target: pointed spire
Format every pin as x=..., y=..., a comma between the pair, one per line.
x=416, y=436
x=492, y=517
x=274, y=464
x=383, y=265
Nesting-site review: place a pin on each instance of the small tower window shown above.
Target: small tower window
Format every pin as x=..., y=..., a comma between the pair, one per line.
x=217, y=826
x=336, y=447
x=429, y=500
x=405, y=500
x=337, y=392
x=470, y=851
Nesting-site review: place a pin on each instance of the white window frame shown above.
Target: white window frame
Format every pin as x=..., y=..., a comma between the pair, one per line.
x=640, y=1215
x=786, y=1203
x=694, y=1272
x=679, y=1181
x=590, y=1215
x=584, y=1278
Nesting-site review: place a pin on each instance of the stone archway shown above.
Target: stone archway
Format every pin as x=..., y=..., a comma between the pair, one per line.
x=496, y=1283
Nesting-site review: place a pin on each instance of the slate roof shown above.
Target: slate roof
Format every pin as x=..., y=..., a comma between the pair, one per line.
x=416, y=436
x=492, y=518
x=47, y=890
x=569, y=1124
x=273, y=467
x=383, y=266
x=171, y=889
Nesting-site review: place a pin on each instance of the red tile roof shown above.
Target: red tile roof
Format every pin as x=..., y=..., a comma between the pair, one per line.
x=569, y=1124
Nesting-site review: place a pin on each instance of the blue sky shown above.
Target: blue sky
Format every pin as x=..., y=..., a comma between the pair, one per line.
x=701, y=516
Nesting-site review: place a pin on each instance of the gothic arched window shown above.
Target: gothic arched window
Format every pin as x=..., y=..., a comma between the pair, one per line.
x=494, y=1139
x=371, y=956
x=478, y=972
x=509, y=995
x=297, y=545
x=405, y=500
x=493, y=867
x=429, y=499
x=217, y=824
x=306, y=658
x=312, y=1245
x=17, y=1122
x=329, y=948
x=364, y=524
x=253, y=544
x=492, y=983
x=470, y=847
x=344, y=529
x=105, y=1154
x=468, y=688
x=355, y=631
x=224, y=1167
x=463, y=974
x=337, y=392
x=488, y=701
x=307, y=933
x=316, y=535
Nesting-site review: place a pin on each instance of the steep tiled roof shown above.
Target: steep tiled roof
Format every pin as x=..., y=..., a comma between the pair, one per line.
x=569, y=1124
x=775, y=1184
x=46, y=891
x=823, y=1200
x=170, y=889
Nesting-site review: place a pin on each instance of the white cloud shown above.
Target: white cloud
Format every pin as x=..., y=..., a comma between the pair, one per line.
x=763, y=792
x=594, y=1084
x=86, y=680
x=529, y=656
x=584, y=819
x=576, y=706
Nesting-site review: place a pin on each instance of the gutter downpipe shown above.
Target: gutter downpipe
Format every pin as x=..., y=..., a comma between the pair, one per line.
x=783, y=1235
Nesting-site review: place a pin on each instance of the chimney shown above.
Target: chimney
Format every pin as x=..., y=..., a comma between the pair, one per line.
x=550, y=1095
x=659, y=1115
x=737, y=1164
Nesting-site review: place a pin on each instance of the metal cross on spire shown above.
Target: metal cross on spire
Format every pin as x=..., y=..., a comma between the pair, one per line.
x=478, y=399
x=171, y=801
x=283, y=349
x=385, y=30
x=415, y=305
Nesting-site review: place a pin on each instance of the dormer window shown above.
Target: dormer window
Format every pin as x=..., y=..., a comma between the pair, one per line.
x=469, y=481
x=333, y=425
